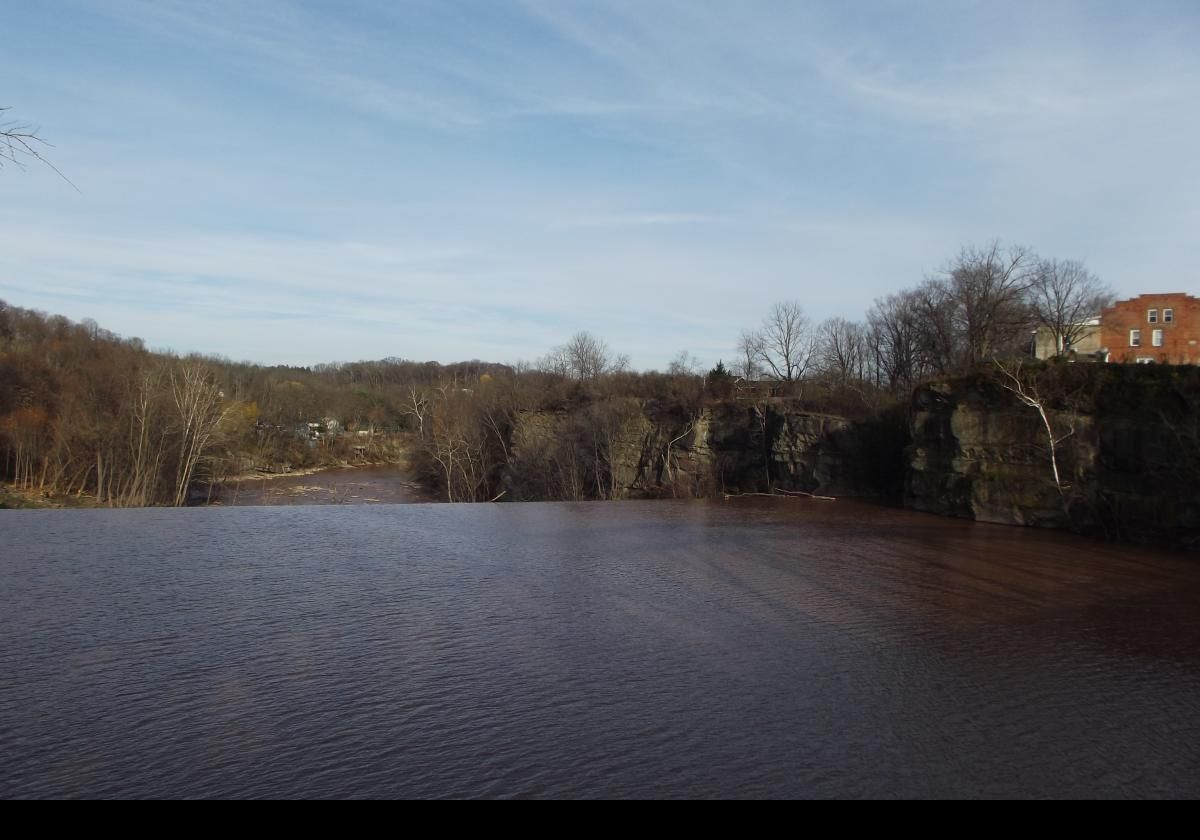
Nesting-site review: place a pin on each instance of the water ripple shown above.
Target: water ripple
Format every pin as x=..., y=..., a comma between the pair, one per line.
x=751, y=648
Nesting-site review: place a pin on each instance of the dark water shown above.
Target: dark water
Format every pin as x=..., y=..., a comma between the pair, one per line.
x=745, y=648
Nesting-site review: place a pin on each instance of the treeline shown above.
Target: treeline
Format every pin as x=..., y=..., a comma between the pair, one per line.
x=583, y=402
x=86, y=412
x=986, y=304
x=83, y=411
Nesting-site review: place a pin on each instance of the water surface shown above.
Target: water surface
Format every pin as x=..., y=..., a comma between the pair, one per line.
x=745, y=648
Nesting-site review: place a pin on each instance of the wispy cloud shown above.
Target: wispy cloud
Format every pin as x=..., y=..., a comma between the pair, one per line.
x=466, y=178
x=643, y=220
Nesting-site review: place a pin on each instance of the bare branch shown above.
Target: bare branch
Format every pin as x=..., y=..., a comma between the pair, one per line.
x=1067, y=300
x=1025, y=389
x=785, y=343
x=20, y=141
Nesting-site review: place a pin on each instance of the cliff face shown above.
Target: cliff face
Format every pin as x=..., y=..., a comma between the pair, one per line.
x=736, y=447
x=626, y=449
x=978, y=453
x=1128, y=451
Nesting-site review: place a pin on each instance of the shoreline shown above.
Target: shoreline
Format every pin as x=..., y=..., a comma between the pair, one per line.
x=13, y=498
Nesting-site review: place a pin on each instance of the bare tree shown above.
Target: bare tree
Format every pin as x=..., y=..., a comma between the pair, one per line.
x=1065, y=298
x=603, y=427
x=555, y=363
x=937, y=324
x=417, y=404
x=976, y=309
x=584, y=357
x=146, y=436
x=669, y=461
x=785, y=343
x=842, y=350
x=748, y=347
x=20, y=142
x=986, y=288
x=894, y=342
x=467, y=437
x=685, y=364
x=197, y=399
x=589, y=356
x=457, y=442
x=1025, y=388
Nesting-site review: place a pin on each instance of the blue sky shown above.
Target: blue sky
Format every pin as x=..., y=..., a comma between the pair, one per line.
x=297, y=182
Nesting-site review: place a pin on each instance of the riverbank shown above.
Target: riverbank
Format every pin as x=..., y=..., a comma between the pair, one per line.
x=337, y=483
x=13, y=498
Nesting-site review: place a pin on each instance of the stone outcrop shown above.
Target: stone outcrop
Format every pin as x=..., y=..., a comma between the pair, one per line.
x=1128, y=452
x=978, y=453
x=657, y=449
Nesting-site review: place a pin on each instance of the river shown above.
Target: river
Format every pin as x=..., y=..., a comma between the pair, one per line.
x=746, y=648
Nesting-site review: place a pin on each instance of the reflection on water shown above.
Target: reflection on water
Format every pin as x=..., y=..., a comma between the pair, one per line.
x=745, y=648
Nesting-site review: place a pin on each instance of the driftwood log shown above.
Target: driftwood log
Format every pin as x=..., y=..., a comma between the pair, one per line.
x=785, y=493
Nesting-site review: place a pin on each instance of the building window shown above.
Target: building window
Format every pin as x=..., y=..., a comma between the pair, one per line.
x=1168, y=316
x=1135, y=338
x=1156, y=338
x=1152, y=316
x=1145, y=360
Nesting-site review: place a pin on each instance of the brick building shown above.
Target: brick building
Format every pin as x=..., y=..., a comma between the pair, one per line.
x=1163, y=328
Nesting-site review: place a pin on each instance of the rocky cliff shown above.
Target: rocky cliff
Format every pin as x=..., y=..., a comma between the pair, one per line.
x=1127, y=450
x=631, y=449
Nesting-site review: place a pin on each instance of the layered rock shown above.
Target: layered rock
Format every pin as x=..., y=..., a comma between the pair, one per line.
x=655, y=449
x=1128, y=452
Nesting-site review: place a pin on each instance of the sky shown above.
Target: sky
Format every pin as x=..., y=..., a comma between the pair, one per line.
x=302, y=182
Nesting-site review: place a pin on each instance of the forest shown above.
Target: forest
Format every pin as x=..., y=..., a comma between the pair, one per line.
x=86, y=413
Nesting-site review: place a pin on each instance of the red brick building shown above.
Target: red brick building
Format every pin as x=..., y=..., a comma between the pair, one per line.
x=1161, y=328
